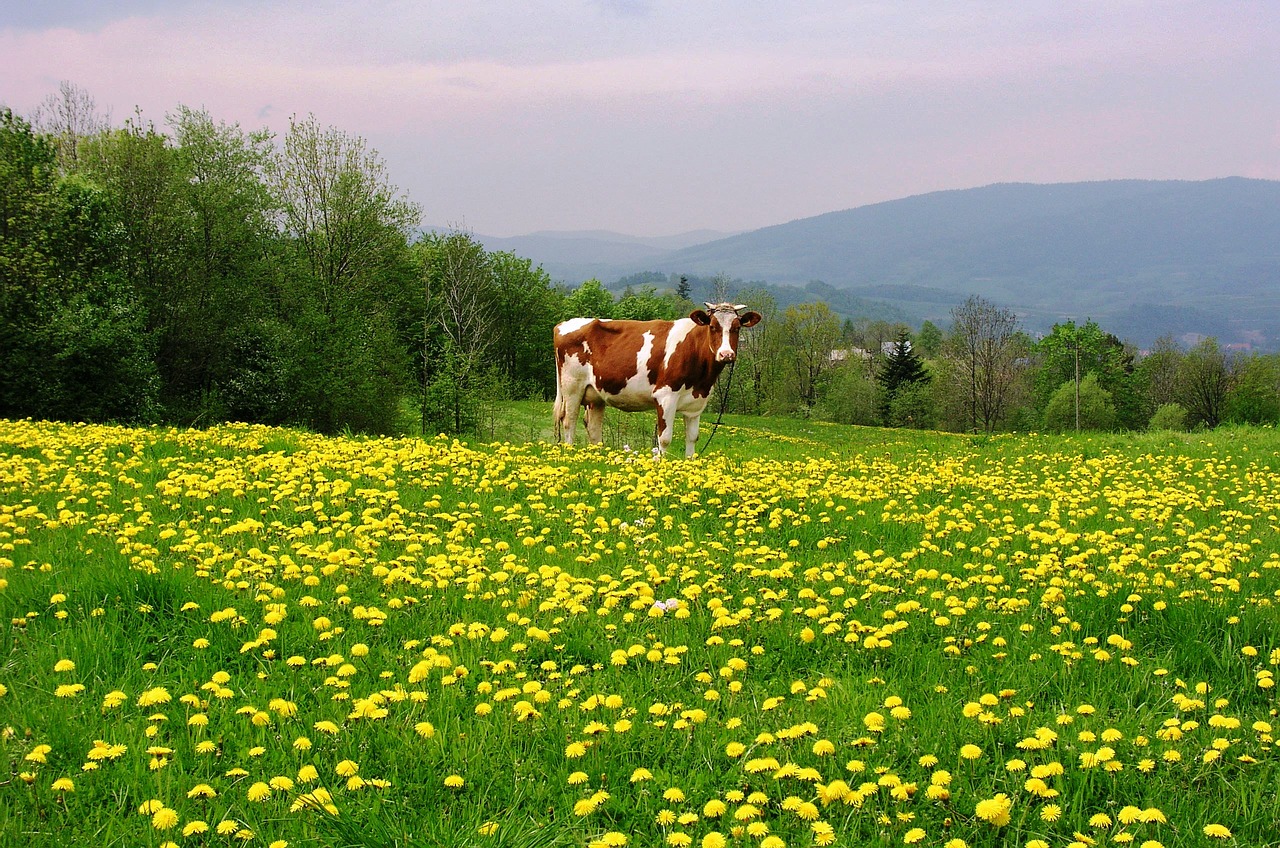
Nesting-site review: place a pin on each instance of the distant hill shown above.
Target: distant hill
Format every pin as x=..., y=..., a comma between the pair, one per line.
x=579, y=255
x=1140, y=257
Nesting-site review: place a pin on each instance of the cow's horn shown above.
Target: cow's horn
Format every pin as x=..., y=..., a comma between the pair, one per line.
x=738, y=307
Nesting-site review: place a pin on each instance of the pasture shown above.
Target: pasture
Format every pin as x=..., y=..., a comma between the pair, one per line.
x=814, y=635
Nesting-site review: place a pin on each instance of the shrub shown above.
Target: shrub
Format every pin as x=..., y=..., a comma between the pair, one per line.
x=1171, y=416
x=1096, y=409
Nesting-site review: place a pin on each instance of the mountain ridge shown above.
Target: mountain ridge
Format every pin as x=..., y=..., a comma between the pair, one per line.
x=1187, y=257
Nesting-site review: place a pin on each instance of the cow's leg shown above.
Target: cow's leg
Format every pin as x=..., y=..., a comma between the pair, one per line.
x=666, y=424
x=567, y=409
x=691, y=433
x=595, y=421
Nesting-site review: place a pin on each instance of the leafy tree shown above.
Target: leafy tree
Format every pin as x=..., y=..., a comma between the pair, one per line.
x=850, y=395
x=812, y=332
x=929, y=339
x=646, y=305
x=912, y=405
x=1170, y=416
x=1157, y=373
x=27, y=280
x=349, y=281
x=986, y=360
x=757, y=373
x=462, y=309
x=1204, y=381
x=221, y=290
x=1070, y=352
x=1095, y=410
x=901, y=368
x=1254, y=397
x=526, y=306
x=589, y=300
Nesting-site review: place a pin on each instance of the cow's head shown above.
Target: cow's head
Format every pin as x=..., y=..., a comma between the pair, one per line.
x=723, y=323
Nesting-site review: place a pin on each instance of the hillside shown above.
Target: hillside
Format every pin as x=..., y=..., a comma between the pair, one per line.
x=1141, y=257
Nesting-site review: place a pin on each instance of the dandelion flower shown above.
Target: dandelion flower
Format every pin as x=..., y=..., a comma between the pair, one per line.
x=1216, y=831
x=63, y=784
x=164, y=818
x=454, y=781
x=995, y=810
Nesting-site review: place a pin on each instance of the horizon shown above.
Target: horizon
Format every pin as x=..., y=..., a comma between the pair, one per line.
x=654, y=119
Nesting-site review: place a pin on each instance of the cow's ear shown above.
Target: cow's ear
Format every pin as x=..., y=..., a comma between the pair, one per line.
x=700, y=317
x=750, y=319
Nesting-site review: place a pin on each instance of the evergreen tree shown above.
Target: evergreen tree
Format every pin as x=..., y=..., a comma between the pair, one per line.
x=902, y=368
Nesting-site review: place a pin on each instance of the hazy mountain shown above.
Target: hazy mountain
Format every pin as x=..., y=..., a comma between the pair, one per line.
x=1140, y=257
x=582, y=254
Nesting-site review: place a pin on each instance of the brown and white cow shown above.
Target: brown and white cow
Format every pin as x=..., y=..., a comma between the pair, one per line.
x=634, y=366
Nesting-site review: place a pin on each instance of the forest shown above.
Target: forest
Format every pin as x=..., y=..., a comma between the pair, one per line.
x=195, y=272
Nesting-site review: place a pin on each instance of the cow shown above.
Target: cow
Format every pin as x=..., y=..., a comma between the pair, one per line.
x=635, y=366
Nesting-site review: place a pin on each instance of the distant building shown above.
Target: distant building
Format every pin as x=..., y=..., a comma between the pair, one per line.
x=845, y=354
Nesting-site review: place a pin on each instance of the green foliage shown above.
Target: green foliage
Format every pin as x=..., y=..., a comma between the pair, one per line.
x=929, y=339
x=1096, y=411
x=1203, y=383
x=646, y=304
x=901, y=369
x=912, y=405
x=850, y=397
x=1254, y=396
x=1170, y=416
x=589, y=300
x=1072, y=350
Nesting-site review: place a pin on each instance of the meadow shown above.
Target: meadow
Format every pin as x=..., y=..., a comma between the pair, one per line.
x=812, y=635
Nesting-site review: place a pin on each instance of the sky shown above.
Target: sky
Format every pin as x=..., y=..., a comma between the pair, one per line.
x=655, y=118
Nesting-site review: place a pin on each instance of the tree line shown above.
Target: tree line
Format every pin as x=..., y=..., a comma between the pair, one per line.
x=985, y=374
x=198, y=273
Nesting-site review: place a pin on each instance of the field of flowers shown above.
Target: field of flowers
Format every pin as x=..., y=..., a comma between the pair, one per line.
x=814, y=636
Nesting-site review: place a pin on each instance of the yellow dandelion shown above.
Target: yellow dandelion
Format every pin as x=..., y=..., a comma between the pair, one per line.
x=454, y=781
x=164, y=818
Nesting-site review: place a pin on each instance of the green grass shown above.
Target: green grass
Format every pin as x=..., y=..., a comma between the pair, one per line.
x=269, y=581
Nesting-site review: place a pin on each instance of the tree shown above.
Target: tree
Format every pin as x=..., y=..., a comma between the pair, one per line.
x=1254, y=397
x=986, y=355
x=27, y=279
x=526, y=306
x=589, y=300
x=222, y=345
x=929, y=339
x=901, y=368
x=1158, y=373
x=1204, y=381
x=646, y=305
x=1070, y=352
x=348, y=290
x=850, y=395
x=1082, y=406
x=760, y=359
x=812, y=332
x=68, y=117
x=462, y=308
